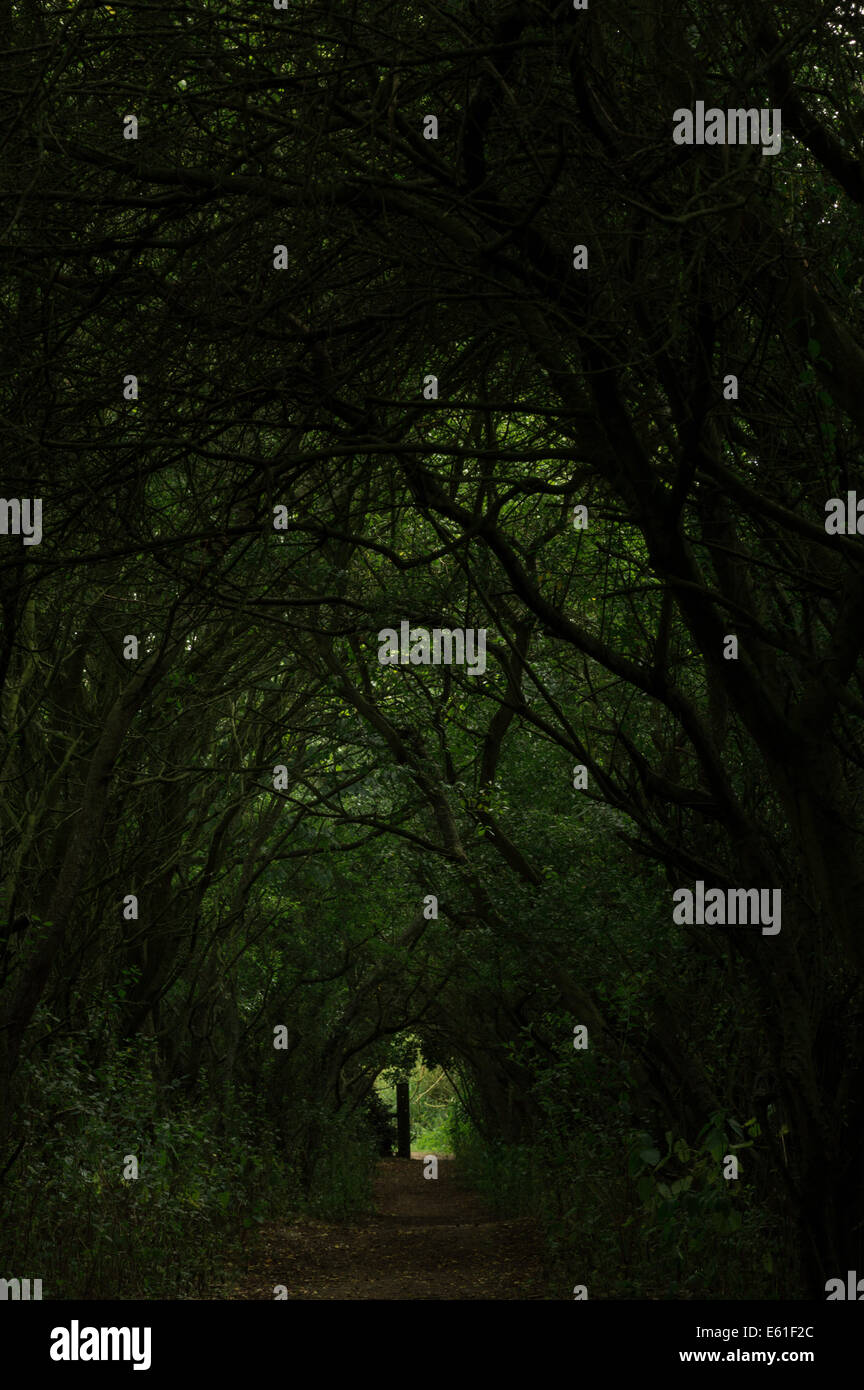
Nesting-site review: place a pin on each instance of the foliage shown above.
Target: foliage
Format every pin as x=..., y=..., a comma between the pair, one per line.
x=250, y=870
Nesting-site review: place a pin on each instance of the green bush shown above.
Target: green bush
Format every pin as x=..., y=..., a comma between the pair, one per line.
x=630, y=1218
x=69, y=1217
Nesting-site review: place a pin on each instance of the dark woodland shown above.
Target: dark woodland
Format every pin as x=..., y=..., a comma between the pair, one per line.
x=251, y=876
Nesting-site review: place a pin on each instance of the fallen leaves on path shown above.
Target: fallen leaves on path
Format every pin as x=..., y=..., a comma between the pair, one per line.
x=427, y=1239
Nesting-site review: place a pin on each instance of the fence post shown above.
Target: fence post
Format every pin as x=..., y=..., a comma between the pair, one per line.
x=403, y=1121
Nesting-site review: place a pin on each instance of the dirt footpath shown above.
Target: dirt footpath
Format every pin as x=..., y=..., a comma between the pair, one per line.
x=428, y=1238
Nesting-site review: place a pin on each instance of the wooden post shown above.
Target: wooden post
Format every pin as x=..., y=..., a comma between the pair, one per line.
x=403, y=1121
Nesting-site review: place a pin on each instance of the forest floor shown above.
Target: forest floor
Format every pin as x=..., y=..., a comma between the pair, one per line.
x=427, y=1238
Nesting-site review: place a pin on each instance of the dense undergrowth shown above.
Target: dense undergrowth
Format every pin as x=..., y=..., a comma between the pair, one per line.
x=70, y=1217
x=630, y=1215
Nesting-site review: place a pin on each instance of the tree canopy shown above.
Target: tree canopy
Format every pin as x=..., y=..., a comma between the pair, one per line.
x=340, y=332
